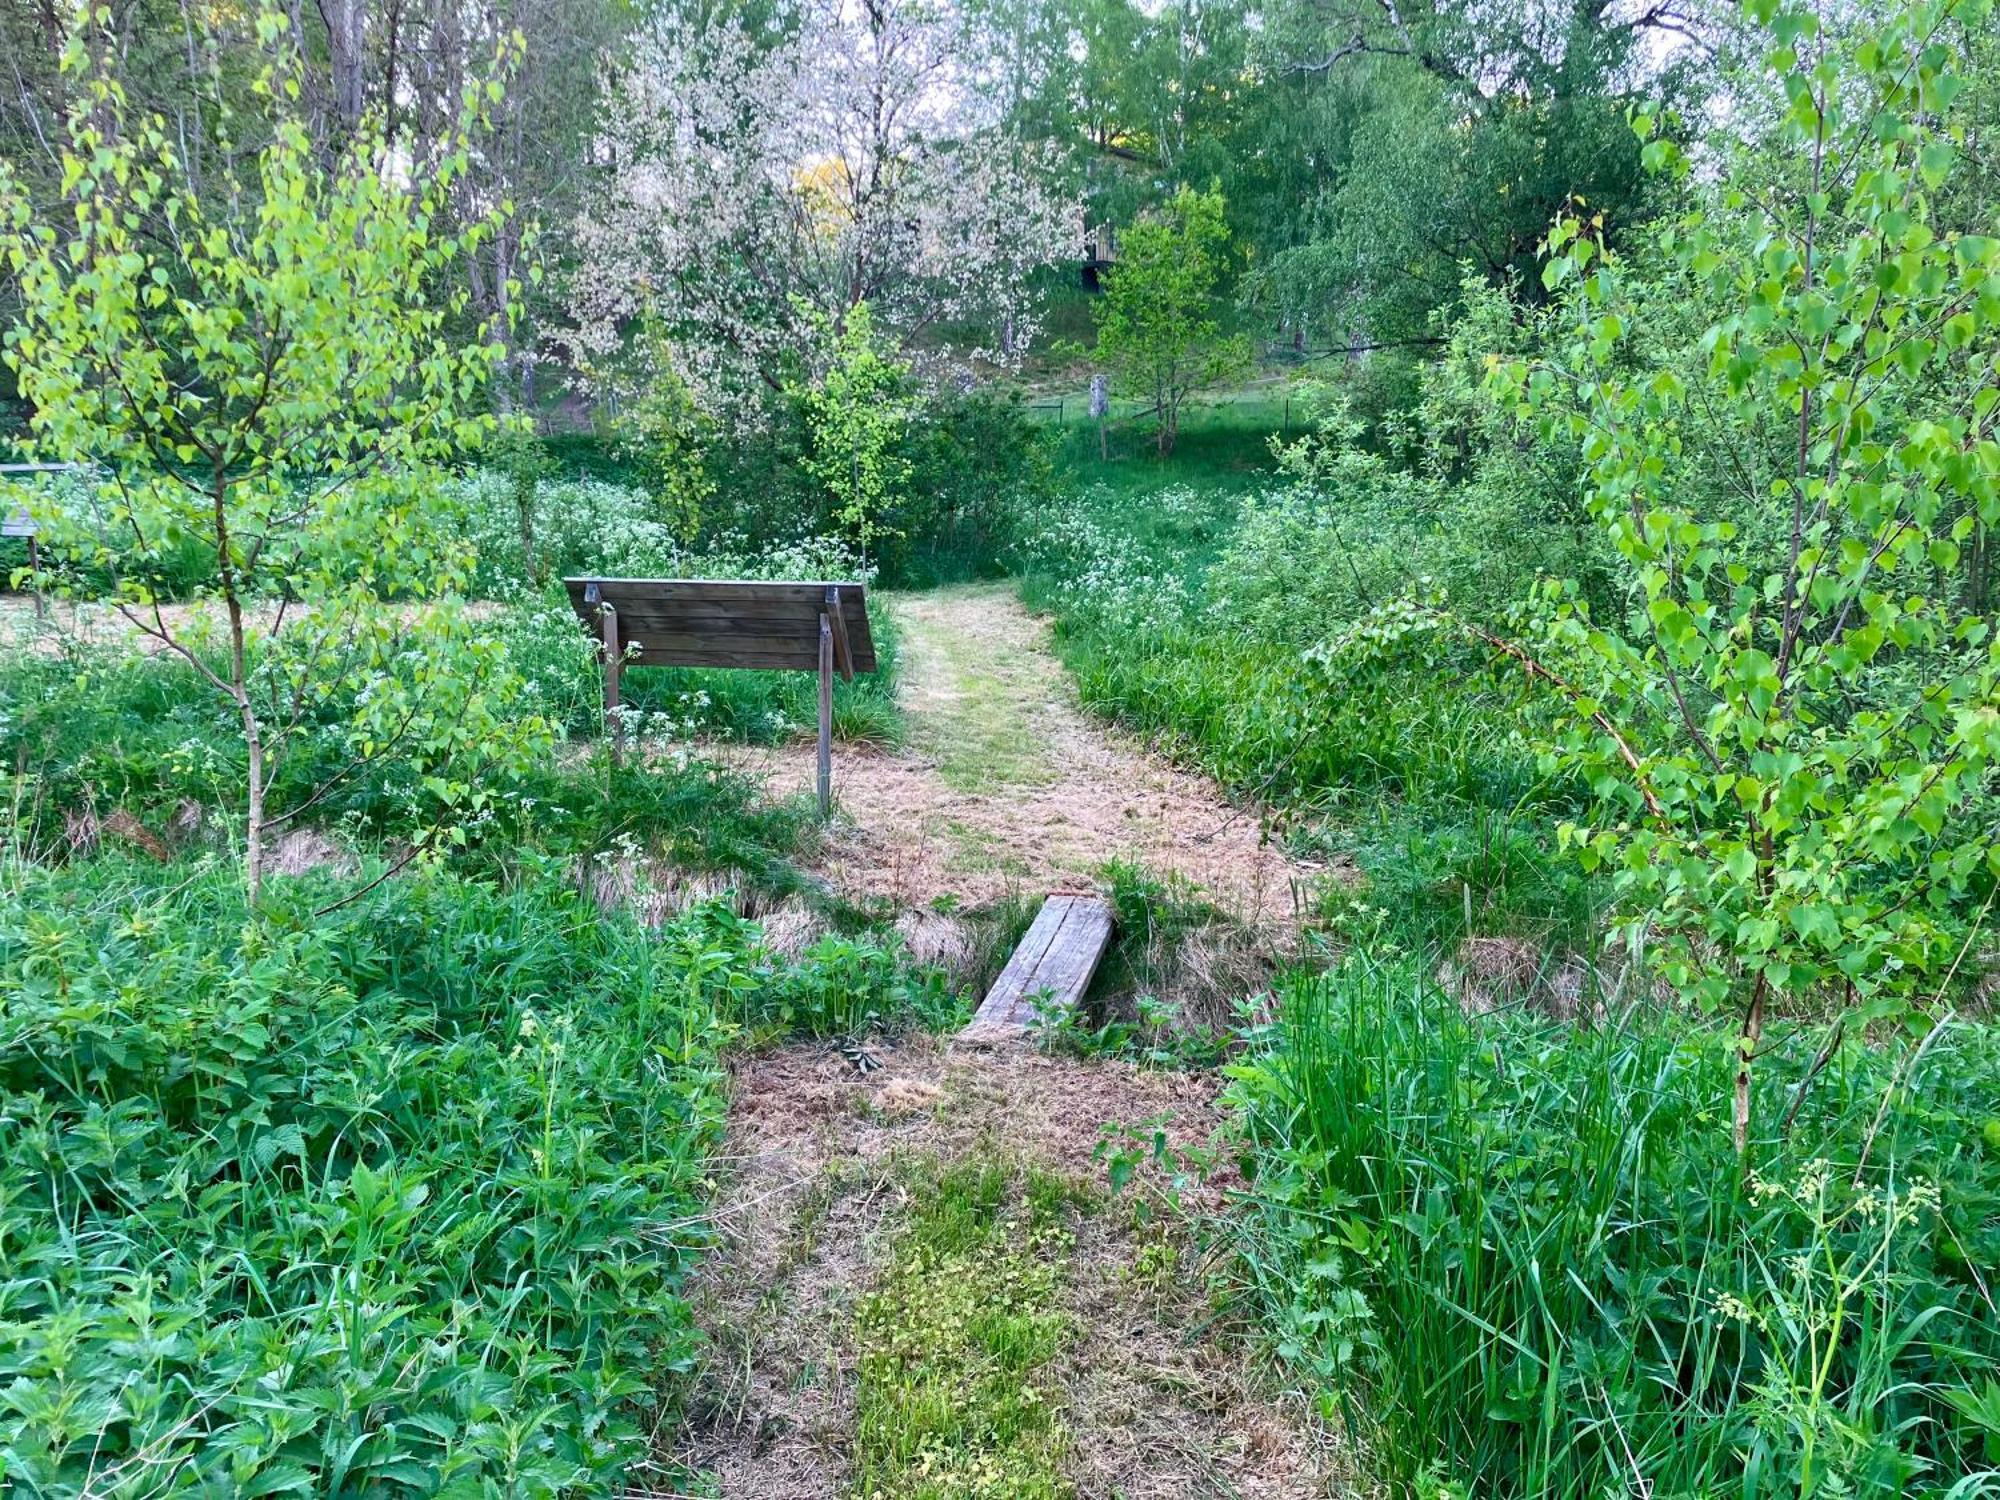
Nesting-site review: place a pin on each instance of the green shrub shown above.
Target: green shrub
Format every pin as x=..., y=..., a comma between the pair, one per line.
x=396, y=1201
x=972, y=462
x=593, y=526
x=379, y=1203
x=849, y=987
x=976, y=466
x=119, y=729
x=1525, y=1261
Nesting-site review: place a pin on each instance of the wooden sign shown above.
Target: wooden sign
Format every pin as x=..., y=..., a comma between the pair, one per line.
x=17, y=522
x=702, y=622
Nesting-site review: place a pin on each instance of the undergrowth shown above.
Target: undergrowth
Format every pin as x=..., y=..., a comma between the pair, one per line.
x=1419, y=773
x=1523, y=1259
x=1165, y=942
x=390, y=1185
x=84, y=734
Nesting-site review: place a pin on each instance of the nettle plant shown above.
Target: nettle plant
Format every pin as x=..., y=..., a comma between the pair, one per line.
x=1794, y=725
x=259, y=373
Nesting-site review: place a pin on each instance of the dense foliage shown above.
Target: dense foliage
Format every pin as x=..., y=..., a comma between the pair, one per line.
x=396, y=1202
x=1788, y=423
x=380, y=1203
x=1526, y=1255
x=1589, y=569
x=204, y=377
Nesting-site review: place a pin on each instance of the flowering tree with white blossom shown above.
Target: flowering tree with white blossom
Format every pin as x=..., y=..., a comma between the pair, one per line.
x=760, y=184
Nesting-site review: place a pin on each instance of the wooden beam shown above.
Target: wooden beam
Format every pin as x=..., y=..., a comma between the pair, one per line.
x=1051, y=968
x=843, y=659
x=825, y=719
x=614, y=661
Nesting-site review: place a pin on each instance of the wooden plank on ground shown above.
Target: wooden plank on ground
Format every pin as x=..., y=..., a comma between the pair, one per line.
x=1050, y=969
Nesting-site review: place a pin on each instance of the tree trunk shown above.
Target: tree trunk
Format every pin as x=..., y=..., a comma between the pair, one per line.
x=1746, y=1042
x=239, y=691
x=524, y=505
x=253, y=830
x=345, y=38
x=52, y=27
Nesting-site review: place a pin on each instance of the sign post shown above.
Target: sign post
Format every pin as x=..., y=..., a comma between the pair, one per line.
x=17, y=522
x=700, y=622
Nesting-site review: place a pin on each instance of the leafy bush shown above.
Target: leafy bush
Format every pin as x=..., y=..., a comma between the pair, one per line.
x=110, y=726
x=849, y=987
x=397, y=1201
x=976, y=466
x=1792, y=721
x=594, y=526
x=1167, y=638
x=379, y=1203
x=969, y=466
x=1522, y=1258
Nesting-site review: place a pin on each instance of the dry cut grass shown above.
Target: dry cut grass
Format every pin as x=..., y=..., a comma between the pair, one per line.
x=923, y=1275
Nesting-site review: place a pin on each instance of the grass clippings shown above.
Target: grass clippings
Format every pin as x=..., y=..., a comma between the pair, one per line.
x=853, y=1205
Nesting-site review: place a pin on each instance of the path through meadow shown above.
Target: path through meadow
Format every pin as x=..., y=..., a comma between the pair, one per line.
x=925, y=1285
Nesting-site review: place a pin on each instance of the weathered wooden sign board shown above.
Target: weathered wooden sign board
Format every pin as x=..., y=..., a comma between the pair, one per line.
x=702, y=622
x=15, y=521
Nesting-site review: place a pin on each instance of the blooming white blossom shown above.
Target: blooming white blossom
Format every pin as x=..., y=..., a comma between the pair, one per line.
x=755, y=179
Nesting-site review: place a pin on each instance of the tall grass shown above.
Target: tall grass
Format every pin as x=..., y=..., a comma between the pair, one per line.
x=1419, y=771
x=342, y=1206
x=1524, y=1261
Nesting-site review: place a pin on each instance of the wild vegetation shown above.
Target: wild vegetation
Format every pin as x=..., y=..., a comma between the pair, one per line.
x=1539, y=463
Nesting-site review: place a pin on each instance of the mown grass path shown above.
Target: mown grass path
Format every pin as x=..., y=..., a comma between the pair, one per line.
x=1005, y=786
x=925, y=1289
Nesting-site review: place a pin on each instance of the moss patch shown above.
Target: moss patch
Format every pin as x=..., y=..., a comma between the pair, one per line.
x=960, y=1340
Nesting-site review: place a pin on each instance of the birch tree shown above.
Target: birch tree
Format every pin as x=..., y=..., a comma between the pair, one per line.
x=260, y=377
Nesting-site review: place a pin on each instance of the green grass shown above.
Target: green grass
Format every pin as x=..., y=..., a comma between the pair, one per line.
x=1224, y=443
x=1521, y=1257
x=348, y=1204
x=388, y=1190
x=959, y=1341
x=975, y=711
